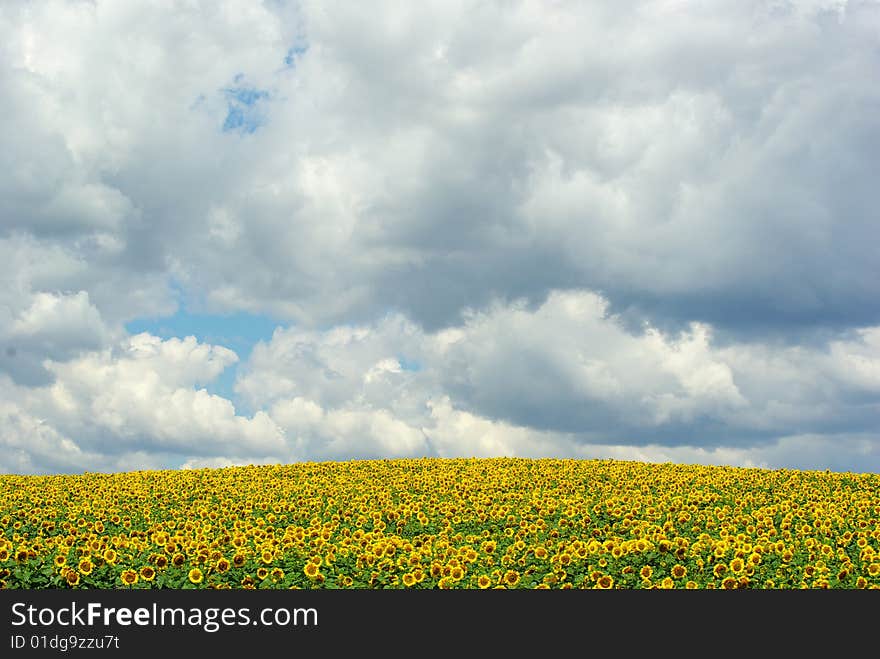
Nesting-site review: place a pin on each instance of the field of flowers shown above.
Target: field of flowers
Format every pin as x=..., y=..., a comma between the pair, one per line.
x=431, y=523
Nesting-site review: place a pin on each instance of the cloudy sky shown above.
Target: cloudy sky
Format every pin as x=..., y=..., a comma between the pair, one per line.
x=236, y=232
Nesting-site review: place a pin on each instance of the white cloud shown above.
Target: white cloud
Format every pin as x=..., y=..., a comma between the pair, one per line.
x=570, y=354
x=41, y=326
x=180, y=361
x=60, y=319
x=857, y=362
x=333, y=367
x=442, y=186
x=28, y=444
x=562, y=378
x=491, y=386
x=350, y=432
x=141, y=396
x=666, y=154
x=455, y=433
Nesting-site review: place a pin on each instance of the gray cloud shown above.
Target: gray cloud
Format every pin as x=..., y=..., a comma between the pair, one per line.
x=471, y=167
x=717, y=169
x=567, y=377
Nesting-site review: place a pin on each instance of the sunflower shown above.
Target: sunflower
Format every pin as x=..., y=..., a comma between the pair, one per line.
x=72, y=577
x=161, y=562
x=267, y=556
x=511, y=578
x=262, y=573
x=110, y=556
x=737, y=565
x=456, y=573
x=729, y=583
x=85, y=566
x=277, y=574
x=691, y=585
x=484, y=581
x=238, y=560
x=60, y=560
x=409, y=580
x=605, y=582
x=147, y=573
x=861, y=582
x=129, y=577
x=874, y=569
x=310, y=570
x=178, y=560
x=679, y=571
x=646, y=572
x=719, y=570
x=196, y=575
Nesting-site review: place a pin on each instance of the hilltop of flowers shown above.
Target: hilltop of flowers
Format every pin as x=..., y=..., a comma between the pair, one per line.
x=443, y=523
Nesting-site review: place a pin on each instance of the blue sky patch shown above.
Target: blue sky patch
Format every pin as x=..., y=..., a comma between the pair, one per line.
x=408, y=364
x=294, y=54
x=244, y=108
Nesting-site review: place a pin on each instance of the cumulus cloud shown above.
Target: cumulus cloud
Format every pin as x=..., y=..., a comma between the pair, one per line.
x=138, y=397
x=563, y=379
x=351, y=432
x=708, y=165
x=29, y=444
x=566, y=378
x=54, y=326
x=569, y=366
x=623, y=224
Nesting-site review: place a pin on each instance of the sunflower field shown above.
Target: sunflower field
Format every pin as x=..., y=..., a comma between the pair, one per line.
x=443, y=523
